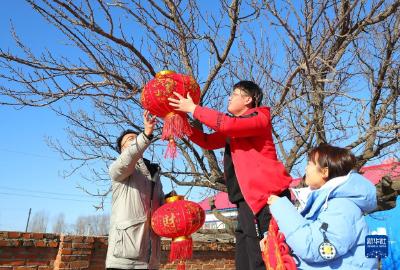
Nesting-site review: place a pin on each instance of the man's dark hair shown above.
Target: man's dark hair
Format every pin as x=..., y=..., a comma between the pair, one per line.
x=251, y=89
x=123, y=133
x=339, y=161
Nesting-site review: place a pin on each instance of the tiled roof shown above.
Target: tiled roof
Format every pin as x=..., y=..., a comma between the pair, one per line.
x=376, y=172
x=221, y=202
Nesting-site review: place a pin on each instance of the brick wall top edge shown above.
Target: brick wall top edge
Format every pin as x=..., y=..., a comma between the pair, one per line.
x=16, y=237
x=27, y=235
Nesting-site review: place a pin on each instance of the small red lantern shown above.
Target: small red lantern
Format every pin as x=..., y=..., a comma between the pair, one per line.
x=276, y=254
x=178, y=219
x=155, y=96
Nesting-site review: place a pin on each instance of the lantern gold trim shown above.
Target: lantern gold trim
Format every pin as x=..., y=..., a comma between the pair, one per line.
x=164, y=72
x=174, y=198
x=180, y=238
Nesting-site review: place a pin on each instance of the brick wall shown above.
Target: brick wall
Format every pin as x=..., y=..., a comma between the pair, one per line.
x=45, y=251
x=20, y=251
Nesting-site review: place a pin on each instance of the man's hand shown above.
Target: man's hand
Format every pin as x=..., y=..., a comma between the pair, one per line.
x=149, y=123
x=263, y=242
x=182, y=104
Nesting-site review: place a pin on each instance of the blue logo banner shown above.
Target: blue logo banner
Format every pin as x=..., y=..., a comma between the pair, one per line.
x=376, y=246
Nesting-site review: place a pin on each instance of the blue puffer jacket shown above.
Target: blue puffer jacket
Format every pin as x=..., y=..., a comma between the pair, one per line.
x=341, y=203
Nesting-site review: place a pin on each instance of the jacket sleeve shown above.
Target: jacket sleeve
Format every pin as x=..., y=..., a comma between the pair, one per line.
x=125, y=164
x=242, y=126
x=305, y=236
x=208, y=141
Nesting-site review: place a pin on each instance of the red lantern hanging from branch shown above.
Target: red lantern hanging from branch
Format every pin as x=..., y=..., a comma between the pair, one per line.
x=155, y=96
x=178, y=219
x=276, y=254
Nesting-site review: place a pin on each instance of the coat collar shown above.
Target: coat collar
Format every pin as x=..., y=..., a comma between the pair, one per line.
x=317, y=200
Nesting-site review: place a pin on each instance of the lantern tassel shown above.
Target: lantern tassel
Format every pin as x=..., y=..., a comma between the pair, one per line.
x=175, y=126
x=181, y=249
x=181, y=266
x=171, y=149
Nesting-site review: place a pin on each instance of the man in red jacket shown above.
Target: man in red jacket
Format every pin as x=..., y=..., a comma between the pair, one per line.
x=251, y=167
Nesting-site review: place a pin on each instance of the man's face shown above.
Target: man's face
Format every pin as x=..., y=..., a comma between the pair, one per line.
x=127, y=141
x=238, y=102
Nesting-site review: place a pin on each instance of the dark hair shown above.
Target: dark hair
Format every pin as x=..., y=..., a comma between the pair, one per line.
x=121, y=136
x=339, y=161
x=252, y=89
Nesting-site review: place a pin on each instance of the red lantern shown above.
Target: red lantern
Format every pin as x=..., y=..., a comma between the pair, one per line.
x=276, y=254
x=178, y=219
x=155, y=96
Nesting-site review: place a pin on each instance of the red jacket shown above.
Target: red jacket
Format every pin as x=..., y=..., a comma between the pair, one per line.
x=257, y=168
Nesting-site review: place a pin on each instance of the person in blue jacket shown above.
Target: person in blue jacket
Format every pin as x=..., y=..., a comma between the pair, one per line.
x=329, y=231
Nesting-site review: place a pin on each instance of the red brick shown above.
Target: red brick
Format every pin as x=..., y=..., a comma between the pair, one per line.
x=71, y=258
x=3, y=243
x=79, y=264
x=14, y=243
x=82, y=245
x=103, y=240
x=65, y=251
x=77, y=239
x=25, y=268
x=65, y=245
x=59, y=264
x=17, y=263
x=26, y=235
x=37, y=235
x=52, y=244
x=66, y=238
x=27, y=243
x=14, y=235
x=40, y=243
x=51, y=236
x=89, y=239
x=36, y=262
x=82, y=252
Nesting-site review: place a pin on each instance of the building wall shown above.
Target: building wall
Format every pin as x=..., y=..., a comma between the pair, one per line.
x=211, y=222
x=44, y=251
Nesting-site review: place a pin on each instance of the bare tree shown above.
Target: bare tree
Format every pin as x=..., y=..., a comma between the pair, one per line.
x=39, y=222
x=330, y=71
x=92, y=225
x=81, y=226
x=59, y=225
x=340, y=59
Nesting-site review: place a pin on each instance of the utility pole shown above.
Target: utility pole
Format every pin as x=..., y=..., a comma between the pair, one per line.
x=27, y=222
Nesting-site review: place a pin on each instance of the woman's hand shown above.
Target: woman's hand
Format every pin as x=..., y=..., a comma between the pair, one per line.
x=272, y=199
x=182, y=104
x=149, y=123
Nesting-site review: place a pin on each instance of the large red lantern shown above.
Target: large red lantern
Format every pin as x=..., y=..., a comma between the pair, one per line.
x=155, y=96
x=178, y=219
x=276, y=254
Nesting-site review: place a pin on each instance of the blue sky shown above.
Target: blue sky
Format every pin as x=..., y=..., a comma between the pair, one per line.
x=30, y=170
